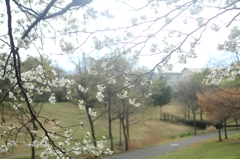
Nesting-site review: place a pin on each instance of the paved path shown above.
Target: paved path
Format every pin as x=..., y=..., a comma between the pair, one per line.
x=164, y=148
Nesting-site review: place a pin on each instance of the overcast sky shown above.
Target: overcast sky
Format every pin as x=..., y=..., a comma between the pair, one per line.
x=205, y=51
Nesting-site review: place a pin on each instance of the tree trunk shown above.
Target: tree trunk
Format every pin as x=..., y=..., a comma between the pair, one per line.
x=127, y=123
x=160, y=116
x=91, y=127
x=194, y=124
x=120, y=133
x=188, y=112
x=32, y=148
x=219, y=132
x=143, y=117
x=236, y=122
x=125, y=134
x=225, y=129
x=124, y=116
x=201, y=114
x=110, y=125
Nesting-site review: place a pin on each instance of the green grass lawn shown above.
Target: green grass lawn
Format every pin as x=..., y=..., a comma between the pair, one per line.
x=148, y=132
x=209, y=149
x=142, y=134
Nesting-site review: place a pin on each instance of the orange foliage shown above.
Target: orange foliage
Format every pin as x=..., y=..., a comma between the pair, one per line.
x=220, y=105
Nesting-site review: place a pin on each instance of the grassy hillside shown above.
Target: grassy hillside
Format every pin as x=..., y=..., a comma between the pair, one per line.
x=145, y=132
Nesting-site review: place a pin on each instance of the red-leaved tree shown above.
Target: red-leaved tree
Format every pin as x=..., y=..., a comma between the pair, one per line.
x=219, y=106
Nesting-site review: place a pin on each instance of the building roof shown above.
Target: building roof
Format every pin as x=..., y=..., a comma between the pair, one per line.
x=193, y=70
x=170, y=72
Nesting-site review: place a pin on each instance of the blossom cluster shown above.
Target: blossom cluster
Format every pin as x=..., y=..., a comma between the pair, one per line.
x=219, y=75
x=122, y=94
x=82, y=89
x=66, y=147
x=35, y=82
x=127, y=82
x=106, y=66
x=146, y=81
x=134, y=102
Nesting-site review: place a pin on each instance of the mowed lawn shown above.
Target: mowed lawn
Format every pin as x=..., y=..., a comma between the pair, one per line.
x=147, y=131
x=208, y=149
x=143, y=133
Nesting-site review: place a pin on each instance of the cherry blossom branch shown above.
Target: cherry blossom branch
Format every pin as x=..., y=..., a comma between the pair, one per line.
x=39, y=18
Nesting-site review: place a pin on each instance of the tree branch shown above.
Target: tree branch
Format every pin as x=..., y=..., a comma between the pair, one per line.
x=21, y=7
x=39, y=18
x=233, y=19
x=80, y=3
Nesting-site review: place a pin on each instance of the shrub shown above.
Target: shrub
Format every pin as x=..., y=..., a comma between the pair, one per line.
x=185, y=135
x=199, y=123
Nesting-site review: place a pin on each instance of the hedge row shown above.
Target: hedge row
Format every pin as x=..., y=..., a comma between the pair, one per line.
x=202, y=124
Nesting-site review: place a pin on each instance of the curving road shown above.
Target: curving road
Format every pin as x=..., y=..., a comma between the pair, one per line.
x=164, y=148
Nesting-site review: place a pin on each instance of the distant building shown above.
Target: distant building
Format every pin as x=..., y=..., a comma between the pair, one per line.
x=174, y=77
x=188, y=72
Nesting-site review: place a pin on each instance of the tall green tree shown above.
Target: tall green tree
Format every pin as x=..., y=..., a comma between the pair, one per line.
x=161, y=93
